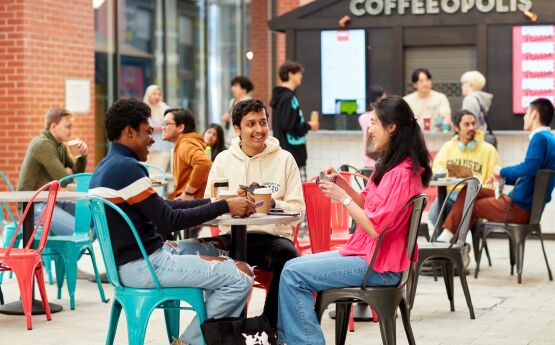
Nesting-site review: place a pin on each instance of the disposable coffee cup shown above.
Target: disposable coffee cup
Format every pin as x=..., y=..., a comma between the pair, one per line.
x=218, y=185
x=226, y=194
x=73, y=146
x=263, y=200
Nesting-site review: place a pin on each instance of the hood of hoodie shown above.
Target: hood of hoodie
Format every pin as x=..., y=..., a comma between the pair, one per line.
x=484, y=98
x=191, y=138
x=278, y=93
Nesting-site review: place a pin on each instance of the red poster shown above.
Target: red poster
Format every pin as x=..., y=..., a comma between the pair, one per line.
x=533, y=65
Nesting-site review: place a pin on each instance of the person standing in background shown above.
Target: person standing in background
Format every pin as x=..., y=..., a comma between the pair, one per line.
x=241, y=87
x=375, y=94
x=288, y=122
x=160, y=151
x=476, y=100
x=431, y=108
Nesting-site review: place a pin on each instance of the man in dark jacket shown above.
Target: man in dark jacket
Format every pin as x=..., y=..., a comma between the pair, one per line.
x=288, y=122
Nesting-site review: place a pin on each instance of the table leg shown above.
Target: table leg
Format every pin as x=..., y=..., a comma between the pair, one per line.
x=239, y=242
x=16, y=308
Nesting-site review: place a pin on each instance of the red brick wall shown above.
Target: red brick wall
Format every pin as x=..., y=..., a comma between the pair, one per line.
x=41, y=44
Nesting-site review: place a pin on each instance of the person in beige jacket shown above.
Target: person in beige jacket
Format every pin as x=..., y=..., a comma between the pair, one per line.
x=254, y=156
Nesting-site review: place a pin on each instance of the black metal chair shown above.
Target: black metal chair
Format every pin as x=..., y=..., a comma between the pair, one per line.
x=519, y=232
x=449, y=255
x=383, y=300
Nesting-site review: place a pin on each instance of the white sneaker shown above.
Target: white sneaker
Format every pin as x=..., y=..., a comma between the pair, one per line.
x=466, y=256
x=445, y=236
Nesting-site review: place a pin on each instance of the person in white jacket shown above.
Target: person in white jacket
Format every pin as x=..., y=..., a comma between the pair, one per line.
x=254, y=156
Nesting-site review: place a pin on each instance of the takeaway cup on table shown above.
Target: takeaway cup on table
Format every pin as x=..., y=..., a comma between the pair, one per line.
x=218, y=185
x=263, y=200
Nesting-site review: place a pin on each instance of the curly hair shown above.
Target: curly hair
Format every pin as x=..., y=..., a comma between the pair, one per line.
x=244, y=82
x=125, y=112
x=242, y=108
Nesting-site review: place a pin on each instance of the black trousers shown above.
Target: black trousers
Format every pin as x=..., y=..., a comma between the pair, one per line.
x=269, y=253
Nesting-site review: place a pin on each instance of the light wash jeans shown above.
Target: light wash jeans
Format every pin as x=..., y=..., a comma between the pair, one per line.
x=297, y=322
x=433, y=214
x=63, y=218
x=226, y=288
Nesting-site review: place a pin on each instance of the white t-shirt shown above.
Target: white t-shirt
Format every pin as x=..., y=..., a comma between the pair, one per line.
x=435, y=106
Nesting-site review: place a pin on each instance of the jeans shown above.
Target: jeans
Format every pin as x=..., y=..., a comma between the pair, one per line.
x=226, y=288
x=265, y=251
x=433, y=214
x=63, y=218
x=297, y=322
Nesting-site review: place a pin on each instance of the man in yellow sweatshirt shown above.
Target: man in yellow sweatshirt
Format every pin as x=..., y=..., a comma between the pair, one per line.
x=191, y=165
x=466, y=148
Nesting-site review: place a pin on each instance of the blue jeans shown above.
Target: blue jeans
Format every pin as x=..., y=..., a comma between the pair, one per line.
x=297, y=322
x=226, y=288
x=433, y=214
x=63, y=218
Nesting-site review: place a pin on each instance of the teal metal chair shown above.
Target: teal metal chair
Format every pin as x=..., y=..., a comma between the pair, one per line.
x=138, y=304
x=67, y=250
x=9, y=224
x=162, y=174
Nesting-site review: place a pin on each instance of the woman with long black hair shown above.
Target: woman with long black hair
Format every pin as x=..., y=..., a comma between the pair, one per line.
x=399, y=175
x=214, y=138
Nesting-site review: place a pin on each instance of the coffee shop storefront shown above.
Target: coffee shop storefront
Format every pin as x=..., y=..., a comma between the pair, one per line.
x=511, y=42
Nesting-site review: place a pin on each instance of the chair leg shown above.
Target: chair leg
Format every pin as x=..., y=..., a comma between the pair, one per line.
x=42, y=289
x=1, y=296
x=172, y=319
x=545, y=256
x=462, y=275
x=60, y=274
x=47, y=265
x=387, y=326
x=512, y=255
x=406, y=321
x=70, y=263
x=351, y=321
x=342, y=311
x=519, y=252
x=487, y=254
x=114, y=318
x=448, y=275
x=137, y=316
x=24, y=276
x=411, y=286
x=97, y=275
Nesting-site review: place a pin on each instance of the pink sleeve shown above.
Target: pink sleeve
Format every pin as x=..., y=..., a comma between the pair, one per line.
x=388, y=198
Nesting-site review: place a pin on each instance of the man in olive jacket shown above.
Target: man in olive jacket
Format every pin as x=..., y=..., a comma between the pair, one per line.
x=48, y=159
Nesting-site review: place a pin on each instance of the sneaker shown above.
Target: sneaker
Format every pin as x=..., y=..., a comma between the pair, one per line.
x=465, y=255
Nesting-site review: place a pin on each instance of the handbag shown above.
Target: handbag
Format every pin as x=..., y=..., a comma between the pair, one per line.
x=238, y=331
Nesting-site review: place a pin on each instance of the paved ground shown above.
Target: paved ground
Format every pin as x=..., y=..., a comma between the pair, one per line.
x=506, y=313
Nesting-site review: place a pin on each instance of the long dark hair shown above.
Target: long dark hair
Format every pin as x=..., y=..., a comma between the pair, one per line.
x=406, y=141
x=219, y=146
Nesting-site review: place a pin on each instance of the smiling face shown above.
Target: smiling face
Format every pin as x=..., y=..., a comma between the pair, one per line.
x=170, y=130
x=380, y=135
x=210, y=137
x=139, y=141
x=253, y=131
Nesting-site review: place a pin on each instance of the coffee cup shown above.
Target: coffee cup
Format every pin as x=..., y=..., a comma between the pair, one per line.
x=73, y=146
x=263, y=200
x=226, y=194
x=218, y=185
x=314, y=116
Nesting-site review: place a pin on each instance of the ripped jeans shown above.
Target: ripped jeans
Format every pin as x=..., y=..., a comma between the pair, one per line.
x=226, y=288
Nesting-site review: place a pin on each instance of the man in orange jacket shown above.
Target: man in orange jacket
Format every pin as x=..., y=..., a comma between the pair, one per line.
x=191, y=165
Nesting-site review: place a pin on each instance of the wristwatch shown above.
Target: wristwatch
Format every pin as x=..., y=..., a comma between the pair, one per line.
x=347, y=201
x=189, y=194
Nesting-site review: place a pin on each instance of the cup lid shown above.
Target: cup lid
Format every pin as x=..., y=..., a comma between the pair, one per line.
x=262, y=191
x=220, y=180
x=227, y=193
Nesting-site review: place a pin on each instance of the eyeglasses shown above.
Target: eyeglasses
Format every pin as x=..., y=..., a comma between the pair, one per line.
x=165, y=124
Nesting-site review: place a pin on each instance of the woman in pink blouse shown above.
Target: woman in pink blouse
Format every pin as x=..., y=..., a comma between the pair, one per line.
x=399, y=175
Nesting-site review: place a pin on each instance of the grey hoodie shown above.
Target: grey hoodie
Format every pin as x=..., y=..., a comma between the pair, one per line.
x=274, y=168
x=472, y=103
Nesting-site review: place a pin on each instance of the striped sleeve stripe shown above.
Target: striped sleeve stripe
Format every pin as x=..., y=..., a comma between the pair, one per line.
x=132, y=194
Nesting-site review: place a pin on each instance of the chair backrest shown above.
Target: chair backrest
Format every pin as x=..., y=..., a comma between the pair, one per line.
x=98, y=209
x=44, y=220
x=82, y=210
x=318, y=208
x=418, y=203
x=6, y=215
x=542, y=185
x=162, y=175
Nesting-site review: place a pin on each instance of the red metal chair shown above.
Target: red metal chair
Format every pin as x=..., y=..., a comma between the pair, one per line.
x=24, y=262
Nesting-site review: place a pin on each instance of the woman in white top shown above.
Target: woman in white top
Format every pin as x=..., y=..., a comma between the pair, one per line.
x=160, y=151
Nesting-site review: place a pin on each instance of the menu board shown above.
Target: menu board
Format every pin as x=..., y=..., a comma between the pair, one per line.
x=533, y=65
x=343, y=71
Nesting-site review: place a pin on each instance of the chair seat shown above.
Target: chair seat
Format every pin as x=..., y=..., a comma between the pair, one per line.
x=437, y=245
x=19, y=252
x=76, y=239
x=509, y=225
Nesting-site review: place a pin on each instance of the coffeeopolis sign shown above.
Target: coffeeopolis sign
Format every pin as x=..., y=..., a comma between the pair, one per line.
x=419, y=7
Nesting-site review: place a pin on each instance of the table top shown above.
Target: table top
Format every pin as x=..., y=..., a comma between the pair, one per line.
x=23, y=196
x=255, y=219
x=445, y=181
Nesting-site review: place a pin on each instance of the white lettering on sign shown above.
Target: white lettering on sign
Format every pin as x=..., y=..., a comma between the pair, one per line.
x=420, y=7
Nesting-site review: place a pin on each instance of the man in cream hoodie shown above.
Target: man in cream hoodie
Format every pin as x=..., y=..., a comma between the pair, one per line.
x=254, y=156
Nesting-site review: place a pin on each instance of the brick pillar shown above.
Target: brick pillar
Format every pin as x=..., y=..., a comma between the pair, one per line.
x=261, y=48
x=41, y=44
